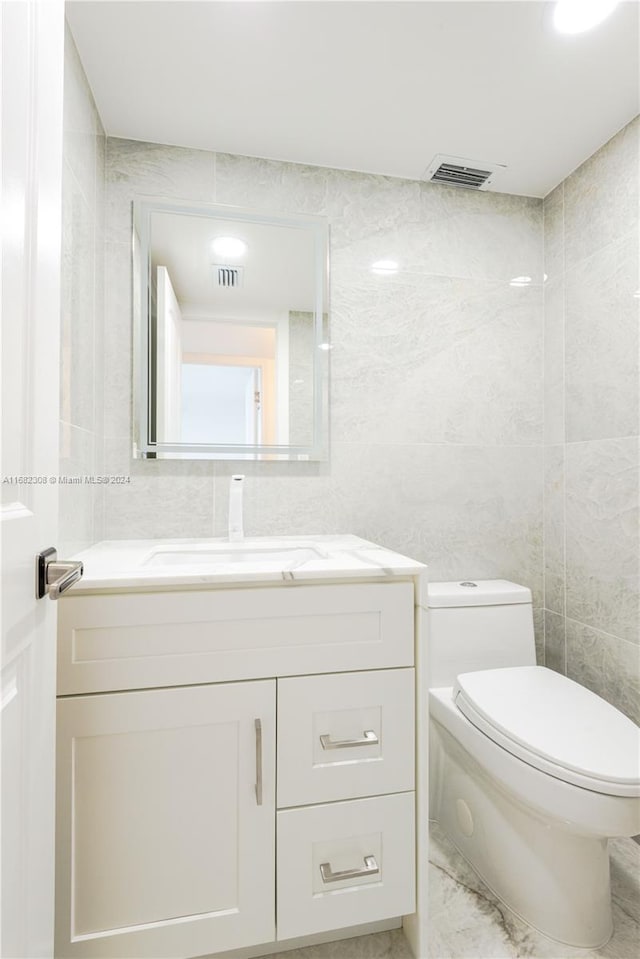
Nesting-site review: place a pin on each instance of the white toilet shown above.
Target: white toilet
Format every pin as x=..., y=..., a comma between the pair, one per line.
x=530, y=773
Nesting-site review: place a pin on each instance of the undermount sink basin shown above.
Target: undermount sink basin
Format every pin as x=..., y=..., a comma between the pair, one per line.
x=234, y=555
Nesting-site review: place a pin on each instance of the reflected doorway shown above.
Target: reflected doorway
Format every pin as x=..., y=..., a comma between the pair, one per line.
x=222, y=400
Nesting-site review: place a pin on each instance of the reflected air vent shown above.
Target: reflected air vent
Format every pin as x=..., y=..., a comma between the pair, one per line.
x=228, y=276
x=456, y=171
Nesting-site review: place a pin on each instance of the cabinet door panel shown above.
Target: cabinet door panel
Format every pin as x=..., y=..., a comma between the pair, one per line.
x=163, y=848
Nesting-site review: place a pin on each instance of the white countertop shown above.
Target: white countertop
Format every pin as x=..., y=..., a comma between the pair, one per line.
x=173, y=563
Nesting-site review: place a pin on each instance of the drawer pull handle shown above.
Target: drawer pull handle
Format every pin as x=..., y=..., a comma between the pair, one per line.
x=370, y=869
x=369, y=738
x=258, y=729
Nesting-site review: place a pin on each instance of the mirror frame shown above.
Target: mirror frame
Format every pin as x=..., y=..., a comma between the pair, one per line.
x=143, y=447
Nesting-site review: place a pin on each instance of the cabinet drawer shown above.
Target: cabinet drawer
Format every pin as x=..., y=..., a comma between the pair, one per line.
x=141, y=640
x=345, y=736
x=371, y=840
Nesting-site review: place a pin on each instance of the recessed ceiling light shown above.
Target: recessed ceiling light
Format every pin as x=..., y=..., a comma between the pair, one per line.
x=229, y=246
x=325, y=346
x=577, y=16
x=385, y=267
x=520, y=281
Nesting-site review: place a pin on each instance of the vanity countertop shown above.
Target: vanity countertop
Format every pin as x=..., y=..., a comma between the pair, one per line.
x=174, y=563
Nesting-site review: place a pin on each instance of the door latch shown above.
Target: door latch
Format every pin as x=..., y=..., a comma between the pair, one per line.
x=55, y=576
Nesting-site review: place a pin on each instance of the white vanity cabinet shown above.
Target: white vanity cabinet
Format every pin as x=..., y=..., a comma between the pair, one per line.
x=179, y=809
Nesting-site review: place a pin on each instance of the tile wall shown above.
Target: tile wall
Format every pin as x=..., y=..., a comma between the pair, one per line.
x=82, y=311
x=592, y=413
x=436, y=372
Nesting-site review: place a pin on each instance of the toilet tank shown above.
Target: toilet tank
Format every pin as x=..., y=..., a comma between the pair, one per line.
x=481, y=624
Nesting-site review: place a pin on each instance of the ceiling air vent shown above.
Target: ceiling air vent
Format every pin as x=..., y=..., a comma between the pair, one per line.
x=456, y=171
x=229, y=277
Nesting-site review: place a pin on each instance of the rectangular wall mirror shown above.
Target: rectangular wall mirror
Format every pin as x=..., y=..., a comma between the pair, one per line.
x=231, y=342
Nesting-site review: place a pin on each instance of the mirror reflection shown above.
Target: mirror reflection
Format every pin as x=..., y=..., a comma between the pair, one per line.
x=233, y=335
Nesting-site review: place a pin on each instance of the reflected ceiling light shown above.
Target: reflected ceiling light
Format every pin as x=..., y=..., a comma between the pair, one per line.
x=325, y=346
x=229, y=246
x=576, y=16
x=520, y=281
x=385, y=267
x=637, y=294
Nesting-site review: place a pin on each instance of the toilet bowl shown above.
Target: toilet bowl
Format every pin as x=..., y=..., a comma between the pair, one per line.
x=530, y=773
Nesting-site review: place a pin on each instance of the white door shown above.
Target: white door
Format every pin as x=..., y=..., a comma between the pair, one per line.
x=166, y=821
x=32, y=77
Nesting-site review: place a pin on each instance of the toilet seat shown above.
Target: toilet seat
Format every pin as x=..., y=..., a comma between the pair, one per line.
x=555, y=725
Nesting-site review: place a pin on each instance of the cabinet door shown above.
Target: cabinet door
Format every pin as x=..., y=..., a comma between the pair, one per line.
x=166, y=821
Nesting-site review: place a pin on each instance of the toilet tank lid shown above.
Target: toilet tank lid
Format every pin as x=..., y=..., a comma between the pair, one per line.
x=478, y=592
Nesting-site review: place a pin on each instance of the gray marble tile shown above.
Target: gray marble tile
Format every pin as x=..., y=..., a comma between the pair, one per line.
x=538, y=629
x=472, y=512
x=98, y=491
x=605, y=664
x=75, y=499
x=369, y=214
x=117, y=341
x=81, y=124
x=603, y=536
x=468, y=922
x=381, y=945
x=270, y=185
x=554, y=529
x=82, y=301
x=601, y=197
x=553, y=210
x=99, y=325
x=99, y=512
x=100, y=205
x=465, y=921
x=452, y=233
x=602, y=357
x=429, y=359
x=172, y=498
x=135, y=169
x=466, y=511
x=280, y=498
x=77, y=306
x=554, y=401
x=555, y=643
x=491, y=235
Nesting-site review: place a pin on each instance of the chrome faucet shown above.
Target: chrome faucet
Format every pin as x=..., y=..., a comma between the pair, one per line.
x=236, y=532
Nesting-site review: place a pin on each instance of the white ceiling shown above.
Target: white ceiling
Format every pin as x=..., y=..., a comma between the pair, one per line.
x=279, y=265
x=372, y=86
